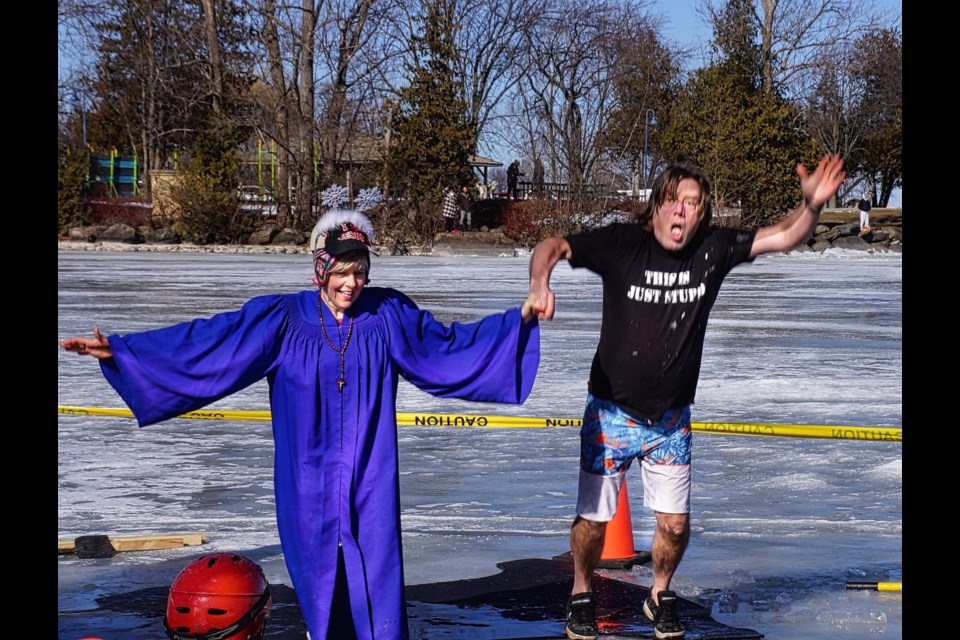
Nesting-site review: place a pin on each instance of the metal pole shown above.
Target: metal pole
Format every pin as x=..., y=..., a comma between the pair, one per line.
x=83, y=115
x=650, y=117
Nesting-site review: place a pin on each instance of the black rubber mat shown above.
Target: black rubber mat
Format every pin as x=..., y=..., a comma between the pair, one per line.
x=535, y=592
x=524, y=601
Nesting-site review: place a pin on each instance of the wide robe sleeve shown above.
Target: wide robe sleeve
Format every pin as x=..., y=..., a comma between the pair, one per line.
x=165, y=372
x=492, y=360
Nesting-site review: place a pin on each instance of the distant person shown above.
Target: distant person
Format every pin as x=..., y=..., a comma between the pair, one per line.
x=451, y=209
x=513, y=174
x=864, y=206
x=465, y=202
x=332, y=357
x=661, y=276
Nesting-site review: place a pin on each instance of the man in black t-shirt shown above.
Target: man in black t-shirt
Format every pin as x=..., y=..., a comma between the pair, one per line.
x=661, y=277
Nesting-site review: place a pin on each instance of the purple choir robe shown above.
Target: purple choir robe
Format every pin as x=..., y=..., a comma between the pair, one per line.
x=336, y=466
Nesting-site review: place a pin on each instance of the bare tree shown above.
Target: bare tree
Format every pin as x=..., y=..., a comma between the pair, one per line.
x=304, y=130
x=287, y=36
x=491, y=40
x=529, y=135
x=274, y=96
x=348, y=26
x=793, y=34
x=570, y=61
x=210, y=24
x=362, y=45
x=879, y=66
x=76, y=37
x=834, y=110
x=856, y=111
x=320, y=62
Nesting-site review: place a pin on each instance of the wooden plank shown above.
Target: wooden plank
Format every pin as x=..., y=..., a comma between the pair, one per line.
x=141, y=543
x=144, y=543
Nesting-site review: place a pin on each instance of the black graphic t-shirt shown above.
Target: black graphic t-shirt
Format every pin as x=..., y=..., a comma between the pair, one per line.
x=655, y=309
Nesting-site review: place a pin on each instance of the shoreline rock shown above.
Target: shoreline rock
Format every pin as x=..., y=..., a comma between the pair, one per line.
x=447, y=250
x=835, y=230
x=186, y=247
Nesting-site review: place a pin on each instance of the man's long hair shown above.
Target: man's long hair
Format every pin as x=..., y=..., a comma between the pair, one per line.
x=665, y=186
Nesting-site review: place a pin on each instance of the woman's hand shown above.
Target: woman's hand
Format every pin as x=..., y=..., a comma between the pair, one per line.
x=98, y=346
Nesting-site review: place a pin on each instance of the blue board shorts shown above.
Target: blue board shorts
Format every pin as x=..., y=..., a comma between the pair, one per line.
x=611, y=439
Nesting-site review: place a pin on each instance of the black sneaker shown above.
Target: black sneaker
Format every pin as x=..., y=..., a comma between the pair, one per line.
x=666, y=620
x=581, y=617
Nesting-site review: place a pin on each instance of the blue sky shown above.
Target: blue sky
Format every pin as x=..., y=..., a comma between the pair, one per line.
x=685, y=26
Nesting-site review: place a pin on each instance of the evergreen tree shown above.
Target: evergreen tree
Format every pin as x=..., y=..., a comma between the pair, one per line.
x=432, y=140
x=746, y=139
x=206, y=194
x=154, y=83
x=736, y=41
x=73, y=170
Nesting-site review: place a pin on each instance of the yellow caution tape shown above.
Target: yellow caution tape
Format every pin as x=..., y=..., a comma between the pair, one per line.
x=495, y=422
x=875, y=586
x=836, y=432
x=258, y=416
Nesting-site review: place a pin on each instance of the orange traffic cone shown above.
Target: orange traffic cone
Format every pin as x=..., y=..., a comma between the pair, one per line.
x=618, y=540
x=618, y=550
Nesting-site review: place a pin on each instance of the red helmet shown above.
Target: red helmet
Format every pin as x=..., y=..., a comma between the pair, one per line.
x=221, y=596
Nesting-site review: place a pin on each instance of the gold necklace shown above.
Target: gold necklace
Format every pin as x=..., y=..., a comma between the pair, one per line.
x=341, y=382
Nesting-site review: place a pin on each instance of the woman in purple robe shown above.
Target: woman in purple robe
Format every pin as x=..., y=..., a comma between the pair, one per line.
x=332, y=358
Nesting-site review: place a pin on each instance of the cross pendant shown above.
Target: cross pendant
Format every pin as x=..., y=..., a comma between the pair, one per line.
x=341, y=383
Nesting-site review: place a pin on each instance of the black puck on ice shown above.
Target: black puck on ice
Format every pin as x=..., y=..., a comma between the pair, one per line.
x=93, y=547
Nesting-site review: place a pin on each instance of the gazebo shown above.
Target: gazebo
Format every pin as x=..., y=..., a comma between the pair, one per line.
x=481, y=163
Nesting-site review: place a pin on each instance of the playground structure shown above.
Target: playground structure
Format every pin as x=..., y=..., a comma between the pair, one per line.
x=114, y=175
